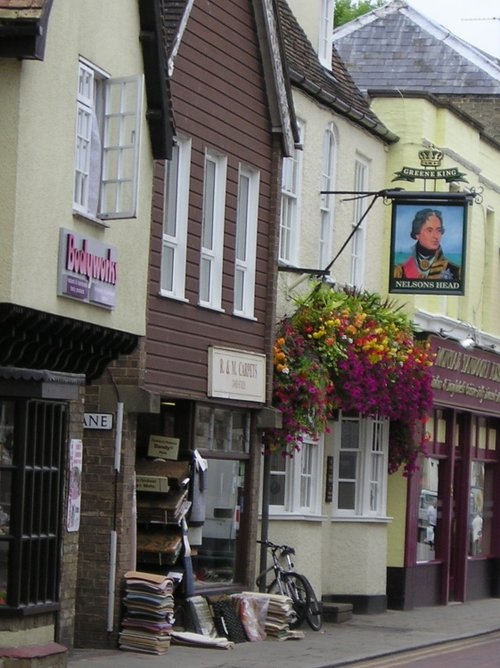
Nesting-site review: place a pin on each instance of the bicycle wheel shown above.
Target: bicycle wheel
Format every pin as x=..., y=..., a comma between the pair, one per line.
x=297, y=589
x=313, y=612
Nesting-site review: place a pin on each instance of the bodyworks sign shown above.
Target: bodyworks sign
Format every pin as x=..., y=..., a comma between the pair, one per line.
x=88, y=270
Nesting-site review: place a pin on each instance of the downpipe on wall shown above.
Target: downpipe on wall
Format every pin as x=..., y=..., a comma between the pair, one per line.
x=113, y=536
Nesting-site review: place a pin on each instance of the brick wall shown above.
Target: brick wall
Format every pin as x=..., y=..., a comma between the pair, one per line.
x=106, y=507
x=69, y=543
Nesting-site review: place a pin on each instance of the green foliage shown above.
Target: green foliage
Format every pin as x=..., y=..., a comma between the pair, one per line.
x=347, y=10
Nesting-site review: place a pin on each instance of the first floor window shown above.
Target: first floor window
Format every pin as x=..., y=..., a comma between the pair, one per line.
x=175, y=221
x=32, y=434
x=295, y=481
x=360, y=456
x=326, y=197
x=246, y=242
x=290, y=193
x=212, y=230
x=360, y=206
x=108, y=115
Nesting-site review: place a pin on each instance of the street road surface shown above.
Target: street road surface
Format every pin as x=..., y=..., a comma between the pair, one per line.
x=477, y=652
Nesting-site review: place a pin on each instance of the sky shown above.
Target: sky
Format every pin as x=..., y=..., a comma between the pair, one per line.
x=466, y=18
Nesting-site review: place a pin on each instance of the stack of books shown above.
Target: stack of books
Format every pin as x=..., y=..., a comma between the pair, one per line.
x=149, y=616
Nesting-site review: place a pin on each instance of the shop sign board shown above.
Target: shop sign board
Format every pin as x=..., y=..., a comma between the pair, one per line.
x=236, y=374
x=88, y=269
x=468, y=379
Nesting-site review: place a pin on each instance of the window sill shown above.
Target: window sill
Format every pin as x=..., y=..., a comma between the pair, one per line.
x=28, y=610
x=287, y=517
x=361, y=519
x=245, y=317
x=87, y=218
x=167, y=295
x=212, y=308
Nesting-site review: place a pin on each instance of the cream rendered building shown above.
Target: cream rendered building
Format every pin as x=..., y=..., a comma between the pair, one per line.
x=37, y=126
x=446, y=95
x=343, y=149
x=77, y=170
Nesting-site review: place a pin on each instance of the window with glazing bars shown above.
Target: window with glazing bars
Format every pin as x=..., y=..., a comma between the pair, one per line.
x=29, y=548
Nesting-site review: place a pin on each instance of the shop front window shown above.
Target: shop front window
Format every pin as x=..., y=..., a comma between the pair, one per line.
x=6, y=473
x=222, y=438
x=428, y=511
x=480, y=509
x=32, y=436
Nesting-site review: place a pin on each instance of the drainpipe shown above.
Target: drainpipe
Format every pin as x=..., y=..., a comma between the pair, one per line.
x=113, y=536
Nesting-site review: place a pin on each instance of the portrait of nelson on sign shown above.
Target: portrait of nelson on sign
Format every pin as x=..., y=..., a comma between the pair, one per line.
x=427, y=248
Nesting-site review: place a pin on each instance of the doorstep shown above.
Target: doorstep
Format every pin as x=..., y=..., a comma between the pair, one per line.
x=336, y=612
x=51, y=655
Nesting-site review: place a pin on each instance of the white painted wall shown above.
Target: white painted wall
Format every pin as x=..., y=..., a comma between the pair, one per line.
x=347, y=557
x=352, y=141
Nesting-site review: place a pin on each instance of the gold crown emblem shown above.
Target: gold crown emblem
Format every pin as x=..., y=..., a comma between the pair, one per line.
x=430, y=157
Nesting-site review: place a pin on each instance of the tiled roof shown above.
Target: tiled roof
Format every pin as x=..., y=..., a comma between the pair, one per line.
x=22, y=9
x=23, y=28
x=173, y=11
x=397, y=48
x=335, y=89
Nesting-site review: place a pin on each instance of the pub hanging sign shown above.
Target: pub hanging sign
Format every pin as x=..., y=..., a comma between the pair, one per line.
x=428, y=232
x=428, y=247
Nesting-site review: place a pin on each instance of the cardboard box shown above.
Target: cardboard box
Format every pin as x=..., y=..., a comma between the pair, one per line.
x=164, y=447
x=151, y=483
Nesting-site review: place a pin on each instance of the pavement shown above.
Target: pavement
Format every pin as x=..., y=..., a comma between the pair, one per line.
x=360, y=638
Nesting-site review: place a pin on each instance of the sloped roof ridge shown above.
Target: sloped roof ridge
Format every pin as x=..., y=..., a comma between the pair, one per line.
x=335, y=88
x=176, y=14
x=488, y=63
x=462, y=47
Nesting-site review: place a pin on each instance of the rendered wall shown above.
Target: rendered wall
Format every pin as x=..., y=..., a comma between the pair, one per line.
x=37, y=125
x=352, y=143
x=348, y=557
x=396, y=509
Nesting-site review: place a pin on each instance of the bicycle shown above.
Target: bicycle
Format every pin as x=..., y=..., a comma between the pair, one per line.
x=289, y=583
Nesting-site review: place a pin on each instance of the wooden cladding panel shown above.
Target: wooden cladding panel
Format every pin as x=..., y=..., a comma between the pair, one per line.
x=220, y=102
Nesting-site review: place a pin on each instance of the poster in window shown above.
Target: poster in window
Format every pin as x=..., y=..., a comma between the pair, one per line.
x=428, y=247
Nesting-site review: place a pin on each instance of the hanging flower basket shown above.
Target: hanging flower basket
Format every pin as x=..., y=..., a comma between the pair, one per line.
x=350, y=350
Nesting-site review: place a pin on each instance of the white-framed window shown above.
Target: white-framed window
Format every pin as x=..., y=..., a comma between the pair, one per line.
x=246, y=241
x=361, y=448
x=359, y=209
x=327, y=182
x=107, y=138
x=212, y=230
x=290, y=191
x=295, y=481
x=175, y=220
x=326, y=34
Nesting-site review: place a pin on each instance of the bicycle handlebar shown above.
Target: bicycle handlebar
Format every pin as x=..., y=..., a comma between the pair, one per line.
x=284, y=549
